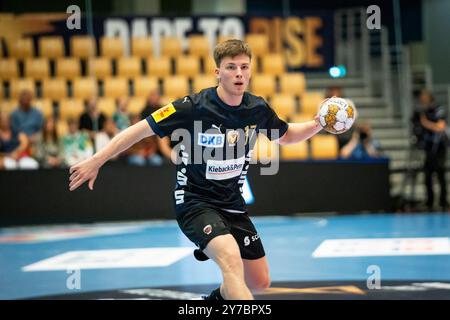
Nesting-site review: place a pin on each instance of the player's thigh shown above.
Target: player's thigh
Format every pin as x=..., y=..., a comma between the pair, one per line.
x=247, y=237
x=201, y=225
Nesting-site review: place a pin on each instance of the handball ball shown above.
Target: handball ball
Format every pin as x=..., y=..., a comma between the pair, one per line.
x=336, y=115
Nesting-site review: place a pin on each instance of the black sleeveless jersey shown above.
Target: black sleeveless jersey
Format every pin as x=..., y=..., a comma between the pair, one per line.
x=214, y=142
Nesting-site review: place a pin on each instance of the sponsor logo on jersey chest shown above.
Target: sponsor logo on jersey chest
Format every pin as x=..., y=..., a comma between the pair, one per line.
x=211, y=140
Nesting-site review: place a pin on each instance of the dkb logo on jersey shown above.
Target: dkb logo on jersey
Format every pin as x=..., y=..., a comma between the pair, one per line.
x=211, y=140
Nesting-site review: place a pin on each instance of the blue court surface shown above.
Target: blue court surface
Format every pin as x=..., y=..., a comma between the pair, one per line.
x=345, y=256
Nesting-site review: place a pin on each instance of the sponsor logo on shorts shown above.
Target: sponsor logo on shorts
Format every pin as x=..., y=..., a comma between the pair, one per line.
x=249, y=239
x=207, y=229
x=211, y=140
x=222, y=170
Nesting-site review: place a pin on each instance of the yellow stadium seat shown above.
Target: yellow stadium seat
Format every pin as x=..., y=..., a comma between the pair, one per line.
x=62, y=128
x=17, y=85
x=265, y=150
x=259, y=43
x=70, y=108
x=83, y=47
x=310, y=102
x=144, y=85
x=142, y=47
x=293, y=83
x=301, y=117
x=209, y=66
x=115, y=88
x=273, y=63
x=100, y=68
x=85, y=88
x=284, y=105
x=324, y=146
x=171, y=47
x=107, y=106
x=263, y=85
x=22, y=48
x=37, y=69
x=51, y=47
x=255, y=65
x=68, y=68
x=187, y=65
x=111, y=47
x=203, y=81
x=223, y=38
x=199, y=45
x=136, y=104
x=8, y=106
x=129, y=67
x=54, y=89
x=167, y=99
x=8, y=69
x=176, y=86
x=45, y=106
x=159, y=67
x=295, y=151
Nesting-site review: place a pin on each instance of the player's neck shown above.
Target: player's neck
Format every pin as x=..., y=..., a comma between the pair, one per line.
x=229, y=99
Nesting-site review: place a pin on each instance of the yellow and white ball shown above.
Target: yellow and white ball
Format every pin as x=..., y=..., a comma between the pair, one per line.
x=337, y=115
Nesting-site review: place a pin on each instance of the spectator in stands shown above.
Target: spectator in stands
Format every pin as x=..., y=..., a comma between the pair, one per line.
x=76, y=145
x=47, y=148
x=26, y=118
x=362, y=145
x=93, y=120
x=121, y=116
x=103, y=137
x=153, y=103
x=334, y=91
x=14, y=151
x=431, y=124
x=145, y=152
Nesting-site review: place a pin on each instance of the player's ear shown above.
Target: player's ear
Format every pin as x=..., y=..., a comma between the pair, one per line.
x=216, y=71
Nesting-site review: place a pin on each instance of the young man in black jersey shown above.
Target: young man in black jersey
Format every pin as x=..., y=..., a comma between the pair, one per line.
x=217, y=128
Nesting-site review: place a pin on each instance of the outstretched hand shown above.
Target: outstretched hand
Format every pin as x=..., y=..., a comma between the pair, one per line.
x=86, y=170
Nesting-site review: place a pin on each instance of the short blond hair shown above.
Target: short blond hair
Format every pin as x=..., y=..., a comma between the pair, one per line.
x=231, y=48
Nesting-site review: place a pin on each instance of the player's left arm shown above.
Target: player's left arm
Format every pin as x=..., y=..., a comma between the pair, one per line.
x=297, y=132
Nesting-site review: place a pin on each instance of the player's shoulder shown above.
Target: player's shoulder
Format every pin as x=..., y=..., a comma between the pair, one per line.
x=184, y=102
x=254, y=100
x=194, y=99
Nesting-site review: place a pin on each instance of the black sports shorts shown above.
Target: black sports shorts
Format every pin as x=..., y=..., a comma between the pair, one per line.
x=202, y=224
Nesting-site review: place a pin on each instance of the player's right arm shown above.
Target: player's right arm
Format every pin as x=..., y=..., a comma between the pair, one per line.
x=87, y=170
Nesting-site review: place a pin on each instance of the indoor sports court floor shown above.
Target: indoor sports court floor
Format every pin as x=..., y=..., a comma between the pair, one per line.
x=370, y=256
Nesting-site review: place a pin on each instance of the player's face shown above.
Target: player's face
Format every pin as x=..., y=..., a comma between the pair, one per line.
x=234, y=74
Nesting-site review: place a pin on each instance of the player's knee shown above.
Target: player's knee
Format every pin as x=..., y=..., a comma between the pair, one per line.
x=231, y=261
x=260, y=282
